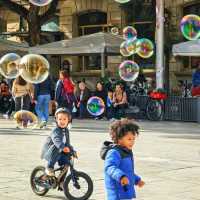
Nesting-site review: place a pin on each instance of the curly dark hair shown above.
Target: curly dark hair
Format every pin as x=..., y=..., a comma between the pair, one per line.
x=119, y=128
x=126, y=126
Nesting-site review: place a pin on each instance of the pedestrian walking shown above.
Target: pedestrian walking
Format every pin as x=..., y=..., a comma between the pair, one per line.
x=42, y=97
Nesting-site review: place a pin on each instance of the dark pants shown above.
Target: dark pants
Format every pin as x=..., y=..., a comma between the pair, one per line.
x=11, y=107
x=119, y=111
x=22, y=103
x=62, y=159
x=109, y=112
x=82, y=110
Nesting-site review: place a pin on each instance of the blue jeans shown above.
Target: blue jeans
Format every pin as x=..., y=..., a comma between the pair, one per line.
x=82, y=110
x=63, y=159
x=42, y=107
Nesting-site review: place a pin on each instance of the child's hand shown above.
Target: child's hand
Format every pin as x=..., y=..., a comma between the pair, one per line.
x=124, y=181
x=66, y=150
x=141, y=183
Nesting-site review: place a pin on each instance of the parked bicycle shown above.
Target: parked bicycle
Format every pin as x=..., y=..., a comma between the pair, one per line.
x=76, y=185
x=154, y=104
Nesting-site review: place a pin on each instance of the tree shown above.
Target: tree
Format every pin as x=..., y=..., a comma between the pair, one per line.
x=33, y=17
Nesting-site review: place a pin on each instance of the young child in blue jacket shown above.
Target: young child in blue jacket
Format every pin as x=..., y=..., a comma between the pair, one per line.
x=120, y=176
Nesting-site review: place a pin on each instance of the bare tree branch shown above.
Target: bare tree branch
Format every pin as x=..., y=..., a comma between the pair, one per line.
x=20, y=10
x=50, y=12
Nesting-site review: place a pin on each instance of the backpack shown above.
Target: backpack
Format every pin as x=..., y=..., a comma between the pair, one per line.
x=68, y=86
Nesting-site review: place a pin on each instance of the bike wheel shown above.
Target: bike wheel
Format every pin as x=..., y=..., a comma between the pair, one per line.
x=81, y=192
x=35, y=178
x=154, y=110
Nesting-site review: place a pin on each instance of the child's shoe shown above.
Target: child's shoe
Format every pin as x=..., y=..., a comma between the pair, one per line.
x=49, y=172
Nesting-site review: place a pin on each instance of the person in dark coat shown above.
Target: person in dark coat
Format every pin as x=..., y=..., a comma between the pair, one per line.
x=57, y=145
x=82, y=96
x=120, y=176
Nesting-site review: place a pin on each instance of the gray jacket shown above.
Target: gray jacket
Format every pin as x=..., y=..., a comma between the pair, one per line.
x=54, y=144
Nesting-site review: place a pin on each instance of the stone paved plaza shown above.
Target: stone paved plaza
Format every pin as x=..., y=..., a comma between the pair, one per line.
x=167, y=156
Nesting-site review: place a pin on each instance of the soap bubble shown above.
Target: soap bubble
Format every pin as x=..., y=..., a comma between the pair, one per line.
x=123, y=49
x=115, y=30
x=122, y=1
x=128, y=70
x=95, y=106
x=34, y=68
x=40, y=2
x=25, y=119
x=9, y=64
x=190, y=27
x=129, y=33
x=146, y=48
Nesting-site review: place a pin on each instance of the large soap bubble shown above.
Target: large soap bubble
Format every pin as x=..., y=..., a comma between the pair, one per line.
x=128, y=70
x=129, y=33
x=122, y=1
x=132, y=46
x=40, y=2
x=190, y=27
x=123, y=50
x=25, y=119
x=9, y=64
x=95, y=106
x=34, y=68
x=146, y=48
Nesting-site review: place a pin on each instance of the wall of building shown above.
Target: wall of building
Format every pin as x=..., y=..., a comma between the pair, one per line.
x=68, y=22
x=177, y=71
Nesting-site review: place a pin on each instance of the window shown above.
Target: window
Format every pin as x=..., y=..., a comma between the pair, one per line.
x=51, y=26
x=91, y=22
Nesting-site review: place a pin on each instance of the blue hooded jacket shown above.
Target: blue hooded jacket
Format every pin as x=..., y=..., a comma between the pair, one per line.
x=119, y=162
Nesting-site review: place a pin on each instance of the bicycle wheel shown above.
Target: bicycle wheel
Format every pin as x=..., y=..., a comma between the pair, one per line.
x=35, y=180
x=154, y=110
x=82, y=191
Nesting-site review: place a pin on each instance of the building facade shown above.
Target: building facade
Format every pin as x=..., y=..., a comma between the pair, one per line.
x=80, y=17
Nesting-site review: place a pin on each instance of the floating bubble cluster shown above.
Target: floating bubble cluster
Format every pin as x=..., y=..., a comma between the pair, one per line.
x=129, y=33
x=40, y=2
x=146, y=48
x=9, y=64
x=128, y=70
x=34, y=68
x=115, y=30
x=190, y=27
x=25, y=118
x=95, y=106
